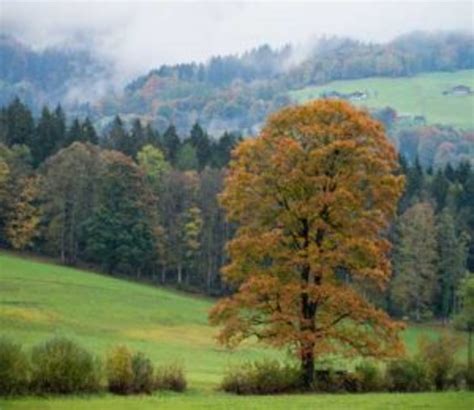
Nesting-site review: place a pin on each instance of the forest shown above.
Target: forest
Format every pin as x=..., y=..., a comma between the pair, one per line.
x=136, y=202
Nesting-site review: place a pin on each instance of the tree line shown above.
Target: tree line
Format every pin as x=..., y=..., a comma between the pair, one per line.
x=131, y=201
x=137, y=202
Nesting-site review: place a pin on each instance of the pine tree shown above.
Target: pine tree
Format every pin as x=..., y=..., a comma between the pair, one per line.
x=74, y=133
x=439, y=190
x=45, y=136
x=452, y=249
x=138, y=138
x=19, y=124
x=118, y=138
x=171, y=144
x=88, y=132
x=415, y=257
x=201, y=143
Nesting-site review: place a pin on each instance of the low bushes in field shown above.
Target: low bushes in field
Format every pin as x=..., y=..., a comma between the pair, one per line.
x=336, y=381
x=439, y=357
x=118, y=366
x=407, y=375
x=14, y=368
x=133, y=373
x=435, y=368
x=170, y=377
x=143, y=374
x=62, y=366
x=262, y=377
x=370, y=376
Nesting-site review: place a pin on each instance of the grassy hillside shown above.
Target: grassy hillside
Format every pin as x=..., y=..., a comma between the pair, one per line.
x=418, y=95
x=39, y=300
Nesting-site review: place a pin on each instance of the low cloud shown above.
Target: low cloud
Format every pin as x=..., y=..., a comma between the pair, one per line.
x=137, y=36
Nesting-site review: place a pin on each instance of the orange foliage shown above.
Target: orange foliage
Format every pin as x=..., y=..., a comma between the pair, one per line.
x=312, y=195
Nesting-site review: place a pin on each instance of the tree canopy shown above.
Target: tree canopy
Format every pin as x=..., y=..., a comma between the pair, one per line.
x=313, y=195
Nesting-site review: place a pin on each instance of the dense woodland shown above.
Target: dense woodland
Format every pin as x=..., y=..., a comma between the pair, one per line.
x=136, y=202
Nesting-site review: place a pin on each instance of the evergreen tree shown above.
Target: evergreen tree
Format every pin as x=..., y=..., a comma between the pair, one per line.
x=45, y=136
x=201, y=143
x=59, y=120
x=118, y=138
x=18, y=124
x=439, y=189
x=452, y=262
x=415, y=256
x=138, y=138
x=153, y=137
x=121, y=233
x=74, y=133
x=171, y=144
x=88, y=132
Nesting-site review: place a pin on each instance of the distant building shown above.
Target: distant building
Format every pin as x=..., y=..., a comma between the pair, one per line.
x=354, y=96
x=458, y=90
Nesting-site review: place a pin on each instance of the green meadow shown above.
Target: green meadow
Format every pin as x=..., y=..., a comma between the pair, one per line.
x=39, y=300
x=418, y=95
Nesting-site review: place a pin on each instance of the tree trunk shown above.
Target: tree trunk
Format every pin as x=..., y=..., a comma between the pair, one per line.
x=307, y=366
x=180, y=274
x=163, y=275
x=470, y=363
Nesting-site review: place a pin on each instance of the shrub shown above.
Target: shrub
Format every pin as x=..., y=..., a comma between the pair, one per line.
x=170, y=377
x=119, y=370
x=14, y=368
x=439, y=358
x=262, y=377
x=405, y=375
x=369, y=376
x=142, y=369
x=458, y=378
x=336, y=381
x=62, y=366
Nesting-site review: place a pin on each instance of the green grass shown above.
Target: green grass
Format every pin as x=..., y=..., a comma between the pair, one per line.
x=214, y=401
x=418, y=95
x=39, y=300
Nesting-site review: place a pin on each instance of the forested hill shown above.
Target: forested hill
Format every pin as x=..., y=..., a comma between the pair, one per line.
x=238, y=92
x=47, y=76
x=233, y=92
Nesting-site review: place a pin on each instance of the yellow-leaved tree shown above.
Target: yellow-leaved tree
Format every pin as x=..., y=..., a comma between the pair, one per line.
x=313, y=196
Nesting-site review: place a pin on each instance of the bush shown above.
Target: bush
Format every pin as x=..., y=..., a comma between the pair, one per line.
x=458, y=378
x=142, y=369
x=62, y=366
x=119, y=368
x=170, y=377
x=336, y=381
x=407, y=375
x=369, y=376
x=14, y=369
x=439, y=358
x=262, y=377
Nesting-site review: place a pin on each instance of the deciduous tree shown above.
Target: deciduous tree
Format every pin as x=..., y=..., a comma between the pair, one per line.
x=313, y=195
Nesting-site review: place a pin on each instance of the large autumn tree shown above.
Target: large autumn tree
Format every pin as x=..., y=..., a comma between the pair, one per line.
x=313, y=196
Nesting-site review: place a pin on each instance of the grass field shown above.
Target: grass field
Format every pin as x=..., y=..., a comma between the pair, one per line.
x=418, y=95
x=39, y=300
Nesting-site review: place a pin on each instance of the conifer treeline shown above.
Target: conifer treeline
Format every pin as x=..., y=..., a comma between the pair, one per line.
x=137, y=202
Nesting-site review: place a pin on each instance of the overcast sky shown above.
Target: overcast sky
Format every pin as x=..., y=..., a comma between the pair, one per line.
x=138, y=36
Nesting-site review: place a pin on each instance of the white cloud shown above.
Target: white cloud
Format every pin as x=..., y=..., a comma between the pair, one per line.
x=138, y=36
